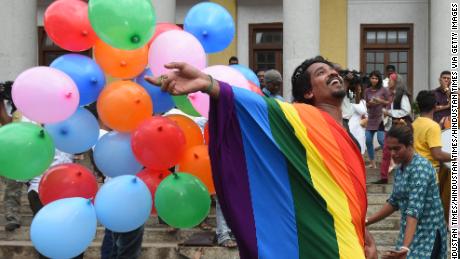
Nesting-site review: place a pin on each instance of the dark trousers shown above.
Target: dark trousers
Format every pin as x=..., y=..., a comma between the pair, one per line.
x=127, y=245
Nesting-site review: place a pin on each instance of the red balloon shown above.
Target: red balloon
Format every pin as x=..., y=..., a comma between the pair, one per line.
x=152, y=179
x=162, y=27
x=67, y=24
x=158, y=143
x=255, y=88
x=67, y=181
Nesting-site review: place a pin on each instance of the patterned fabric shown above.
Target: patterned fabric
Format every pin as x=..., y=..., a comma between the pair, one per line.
x=415, y=193
x=290, y=180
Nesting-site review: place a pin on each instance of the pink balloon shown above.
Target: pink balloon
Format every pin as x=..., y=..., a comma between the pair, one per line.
x=228, y=75
x=45, y=94
x=163, y=27
x=175, y=45
x=200, y=101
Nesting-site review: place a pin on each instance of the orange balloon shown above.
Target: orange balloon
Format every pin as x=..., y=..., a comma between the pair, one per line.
x=120, y=63
x=192, y=131
x=196, y=161
x=206, y=133
x=123, y=105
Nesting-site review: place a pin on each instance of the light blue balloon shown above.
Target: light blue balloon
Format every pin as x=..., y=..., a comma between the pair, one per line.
x=248, y=73
x=211, y=24
x=64, y=228
x=114, y=157
x=162, y=101
x=123, y=203
x=77, y=134
x=86, y=74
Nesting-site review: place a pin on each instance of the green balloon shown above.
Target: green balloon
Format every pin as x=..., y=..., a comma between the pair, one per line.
x=123, y=24
x=26, y=150
x=184, y=105
x=182, y=200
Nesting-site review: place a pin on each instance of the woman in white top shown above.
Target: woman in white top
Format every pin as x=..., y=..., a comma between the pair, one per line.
x=357, y=129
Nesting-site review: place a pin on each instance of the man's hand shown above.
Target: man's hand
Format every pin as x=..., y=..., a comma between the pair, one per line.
x=370, y=249
x=182, y=79
x=393, y=254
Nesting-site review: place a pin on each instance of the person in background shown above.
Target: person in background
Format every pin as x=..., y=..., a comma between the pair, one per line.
x=233, y=61
x=427, y=136
x=260, y=75
x=397, y=112
x=442, y=96
x=422, y=232
x=13, y=188
x=377, y=97
x=273, y=82
x=359, y=116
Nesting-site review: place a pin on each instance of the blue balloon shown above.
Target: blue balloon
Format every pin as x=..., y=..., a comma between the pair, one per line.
x=86, y=74
x=114, y=157
x=77, y=134
x=211, y=24
x=64, y=228
x=248, y=73
x=162, y=101
x=123, y=203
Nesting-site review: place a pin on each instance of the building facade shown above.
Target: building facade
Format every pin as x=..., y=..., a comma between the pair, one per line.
x=413, y=35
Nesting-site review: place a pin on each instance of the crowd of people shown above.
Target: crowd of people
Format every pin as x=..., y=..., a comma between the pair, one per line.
x=358, y=107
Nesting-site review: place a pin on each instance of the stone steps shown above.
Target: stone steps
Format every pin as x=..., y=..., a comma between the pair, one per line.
x=25, y=250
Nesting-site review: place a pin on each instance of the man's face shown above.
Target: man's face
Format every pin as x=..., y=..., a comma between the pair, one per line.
x=444, y=80
x=390, y=71
x=399, y=152
x=274, y=88
x=327, y=85
x=260, y=75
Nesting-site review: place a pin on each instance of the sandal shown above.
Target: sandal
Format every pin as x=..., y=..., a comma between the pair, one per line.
x=205, y=226
x=228, y=243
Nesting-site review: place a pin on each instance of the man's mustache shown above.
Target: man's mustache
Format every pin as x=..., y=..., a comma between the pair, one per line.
x=333, y=77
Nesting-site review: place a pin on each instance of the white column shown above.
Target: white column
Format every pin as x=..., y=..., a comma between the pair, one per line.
x=301, y=25
x=18, y=46
x=439, y=40
x=165, y=10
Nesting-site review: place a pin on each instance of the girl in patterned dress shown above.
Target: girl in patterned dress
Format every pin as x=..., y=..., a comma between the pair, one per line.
x=423, y=232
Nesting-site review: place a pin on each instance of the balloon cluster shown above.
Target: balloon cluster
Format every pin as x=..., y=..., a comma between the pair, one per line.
x=127, y=44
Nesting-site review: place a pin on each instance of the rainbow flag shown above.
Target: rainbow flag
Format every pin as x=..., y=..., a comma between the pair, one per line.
x=290, y=181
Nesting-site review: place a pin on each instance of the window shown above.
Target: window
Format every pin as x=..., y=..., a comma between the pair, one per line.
x=266, y=46
x=388, y=44
x=48, y=51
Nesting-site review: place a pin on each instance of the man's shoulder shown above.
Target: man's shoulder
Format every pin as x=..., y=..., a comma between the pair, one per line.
x=425, y=123
x=421, y=165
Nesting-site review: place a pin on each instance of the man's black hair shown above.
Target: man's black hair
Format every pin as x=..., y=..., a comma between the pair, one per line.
x=403, y=133
x=445, y=72
x=300, y=79
x=426, y=101
x=377, y=74
x=232, y=58
x=388, y=67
